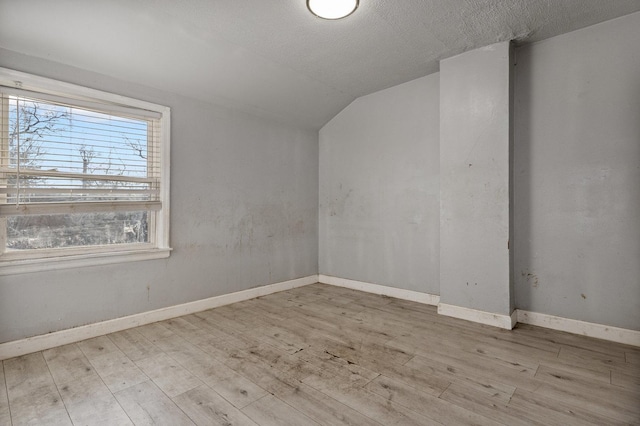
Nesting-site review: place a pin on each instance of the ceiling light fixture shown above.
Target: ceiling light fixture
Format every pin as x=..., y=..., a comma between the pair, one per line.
x=332, y=9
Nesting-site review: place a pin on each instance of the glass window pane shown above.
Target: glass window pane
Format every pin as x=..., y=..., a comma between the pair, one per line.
x=47, y=136
x=77, y=230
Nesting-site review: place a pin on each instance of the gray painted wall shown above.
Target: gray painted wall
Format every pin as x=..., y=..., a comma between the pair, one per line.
x=245, y=195
x=244, y=204
x=577, y=175
x=379, y=208
x=475, y=105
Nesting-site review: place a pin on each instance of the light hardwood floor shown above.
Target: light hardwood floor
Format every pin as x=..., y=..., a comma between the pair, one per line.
x=325, y=355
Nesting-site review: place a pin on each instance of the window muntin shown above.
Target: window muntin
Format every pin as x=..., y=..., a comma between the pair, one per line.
x=79, y=171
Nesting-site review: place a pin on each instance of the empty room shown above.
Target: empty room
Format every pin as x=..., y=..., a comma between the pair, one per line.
x=320, y=212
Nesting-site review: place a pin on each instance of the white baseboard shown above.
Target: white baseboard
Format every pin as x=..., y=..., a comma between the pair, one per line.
x=72, y=335
x=482, y=317
x=398, y=293
x=63, y=337
x=599, y=331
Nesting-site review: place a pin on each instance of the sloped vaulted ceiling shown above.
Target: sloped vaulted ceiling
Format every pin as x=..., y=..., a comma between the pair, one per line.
x=273, y=56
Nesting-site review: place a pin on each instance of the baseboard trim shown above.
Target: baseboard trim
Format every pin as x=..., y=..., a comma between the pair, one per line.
x=72, y=335
x=398, y=293
x=482, y=317
x=598, y=331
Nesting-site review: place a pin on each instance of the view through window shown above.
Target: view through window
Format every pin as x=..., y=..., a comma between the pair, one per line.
x=77, y=174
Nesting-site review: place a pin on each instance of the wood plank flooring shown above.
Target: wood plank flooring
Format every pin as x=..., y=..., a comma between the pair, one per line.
x=323, y=355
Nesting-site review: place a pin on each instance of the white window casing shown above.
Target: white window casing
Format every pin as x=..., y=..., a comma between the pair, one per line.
x=85, y=168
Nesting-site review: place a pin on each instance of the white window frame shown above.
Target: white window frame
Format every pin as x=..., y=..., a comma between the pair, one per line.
x=16, y=262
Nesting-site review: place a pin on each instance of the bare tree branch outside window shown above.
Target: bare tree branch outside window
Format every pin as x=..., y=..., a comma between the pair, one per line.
x=33, y=127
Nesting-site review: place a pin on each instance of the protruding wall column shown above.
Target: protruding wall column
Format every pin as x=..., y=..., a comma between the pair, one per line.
x=475, y=140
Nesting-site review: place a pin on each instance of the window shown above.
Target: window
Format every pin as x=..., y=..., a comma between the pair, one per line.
x=84, y=176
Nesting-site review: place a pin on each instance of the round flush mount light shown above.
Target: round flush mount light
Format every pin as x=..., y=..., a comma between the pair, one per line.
x=332, y=9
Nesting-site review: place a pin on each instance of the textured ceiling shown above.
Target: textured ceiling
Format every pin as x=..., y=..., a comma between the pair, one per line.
x=273, y=57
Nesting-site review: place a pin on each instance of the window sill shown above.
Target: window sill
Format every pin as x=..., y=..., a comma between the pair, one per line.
x=23, y=266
